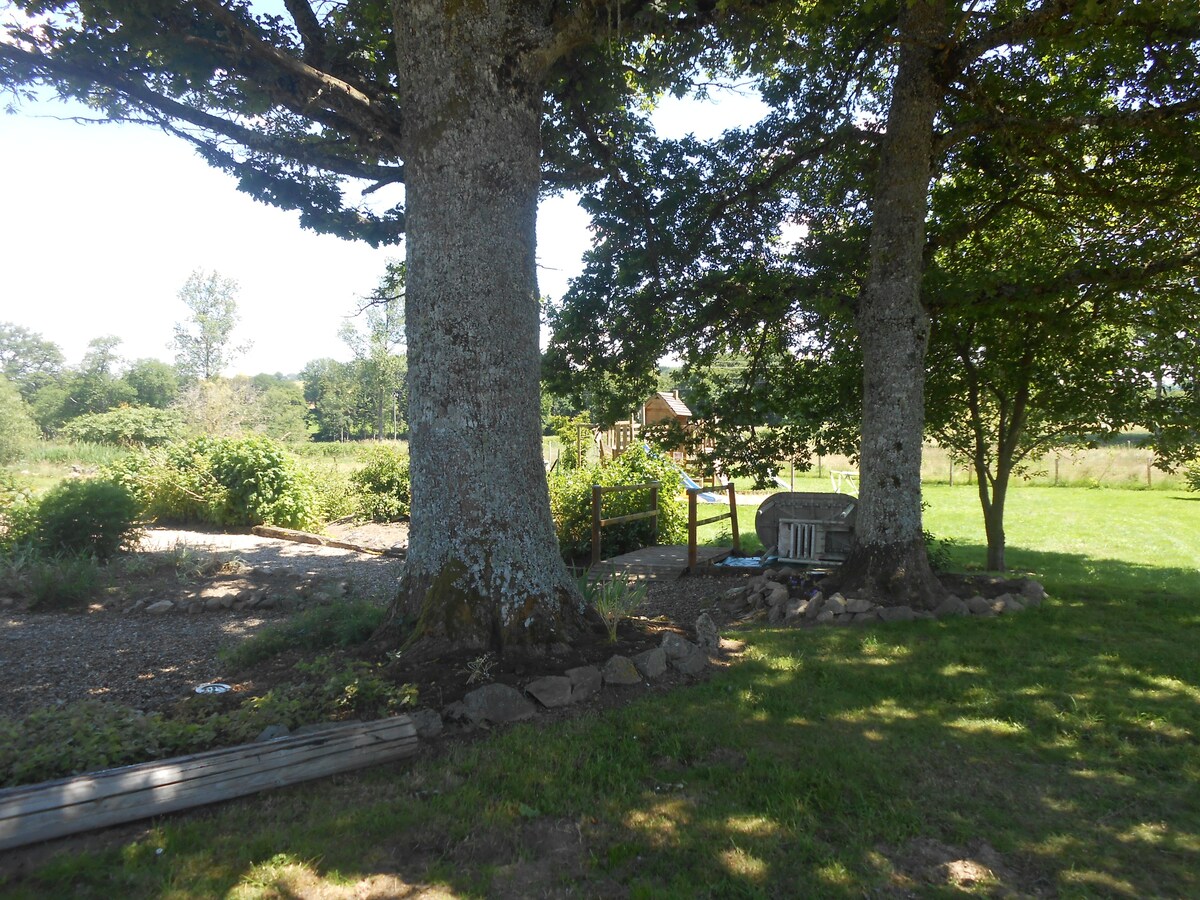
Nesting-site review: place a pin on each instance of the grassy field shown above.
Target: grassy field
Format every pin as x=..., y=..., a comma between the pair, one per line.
x=1059, y=747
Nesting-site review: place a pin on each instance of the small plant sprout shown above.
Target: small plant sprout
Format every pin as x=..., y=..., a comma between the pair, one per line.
x=480, y=668
x=615, y=598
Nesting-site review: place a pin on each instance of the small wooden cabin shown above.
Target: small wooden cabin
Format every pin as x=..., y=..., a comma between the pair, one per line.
x=665, y=406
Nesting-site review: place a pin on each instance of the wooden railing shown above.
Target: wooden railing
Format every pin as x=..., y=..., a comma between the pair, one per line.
x=598, y=493
x=693, y=523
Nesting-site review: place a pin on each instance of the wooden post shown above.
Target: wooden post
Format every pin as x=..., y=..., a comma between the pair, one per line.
x=691, y=530
x=596, y=499
x=733, y=522
x=654, y=507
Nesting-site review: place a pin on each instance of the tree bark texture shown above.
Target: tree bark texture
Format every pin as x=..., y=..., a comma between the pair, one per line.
x=483, y=566
x=888, y=558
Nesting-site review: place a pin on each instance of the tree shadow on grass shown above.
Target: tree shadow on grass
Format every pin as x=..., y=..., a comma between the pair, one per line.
x=1057, y=747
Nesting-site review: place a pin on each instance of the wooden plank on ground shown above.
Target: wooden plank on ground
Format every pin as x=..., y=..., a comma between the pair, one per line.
x=305, y=537
x=40, y=812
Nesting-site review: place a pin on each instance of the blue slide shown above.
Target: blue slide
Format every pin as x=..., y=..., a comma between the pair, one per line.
x=687, y=479
x=688, y=482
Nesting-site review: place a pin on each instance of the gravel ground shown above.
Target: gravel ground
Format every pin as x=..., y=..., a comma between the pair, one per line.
x=146, y=661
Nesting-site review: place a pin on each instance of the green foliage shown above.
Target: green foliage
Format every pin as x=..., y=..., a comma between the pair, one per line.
x=53, y=581
x=93, y=517
x=1192, y=476
x=317, y=628
x=126, y=426
x=88, y=735
x=261, y=484
x=223, y=481
x=202, y=342
x=18, y=431
x=335, y=496
x=574, y=439
x=571, y=504
x=61, y=581
x=614, y=598
x=381, y=486
x=154, y=382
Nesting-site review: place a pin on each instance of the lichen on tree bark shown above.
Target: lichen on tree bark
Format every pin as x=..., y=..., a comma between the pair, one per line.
x=483, y=568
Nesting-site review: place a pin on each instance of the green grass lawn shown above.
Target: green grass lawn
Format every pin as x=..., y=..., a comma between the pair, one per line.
x=1066, y=738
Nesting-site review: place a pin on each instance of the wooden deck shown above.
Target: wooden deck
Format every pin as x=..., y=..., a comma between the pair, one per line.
x=660, y=561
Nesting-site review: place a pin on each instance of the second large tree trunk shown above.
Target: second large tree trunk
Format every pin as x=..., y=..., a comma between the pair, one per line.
x=888, y=560
x=483, y=566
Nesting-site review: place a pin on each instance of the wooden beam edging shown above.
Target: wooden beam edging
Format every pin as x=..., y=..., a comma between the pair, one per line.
x=53, y=809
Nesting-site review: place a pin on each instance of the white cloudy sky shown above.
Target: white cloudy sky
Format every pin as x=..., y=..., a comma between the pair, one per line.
x=101, y=225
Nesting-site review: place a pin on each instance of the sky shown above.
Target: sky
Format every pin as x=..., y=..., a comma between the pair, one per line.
x=103, y=223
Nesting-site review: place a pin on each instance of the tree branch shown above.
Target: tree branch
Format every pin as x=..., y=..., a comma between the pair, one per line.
x=160, y=108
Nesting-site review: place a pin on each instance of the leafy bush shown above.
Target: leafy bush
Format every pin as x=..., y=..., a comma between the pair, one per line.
x=1191, y=475
x=18, y=431
x=261, y=484
x=222, y=481
x=126, y=426
x=334, y=493
x=571, y=504
x=572, y=452
x=62, y=580
x=381, y=486
x=93, y=517
x=13, y=496
x=54, y=581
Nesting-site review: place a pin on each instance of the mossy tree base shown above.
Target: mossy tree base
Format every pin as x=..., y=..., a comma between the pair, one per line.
x=450, y=613
x=890, y=575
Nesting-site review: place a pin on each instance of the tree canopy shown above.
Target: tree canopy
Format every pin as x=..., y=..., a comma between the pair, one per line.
x=770, y=240
x=442, y=121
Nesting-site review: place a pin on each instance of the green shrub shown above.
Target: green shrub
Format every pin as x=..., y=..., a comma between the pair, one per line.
x=14, y=496
x=381, y=486
x=1191, y=475
x=48, y=581
x=333, y=491
x=222, y=481
x=261, y=484
x=126, y=426
x=571, y=504
x=94, y=517
x=62, y=580
x=18, y=431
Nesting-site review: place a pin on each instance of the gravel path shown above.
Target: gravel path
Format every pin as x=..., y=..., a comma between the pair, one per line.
x=147, y=661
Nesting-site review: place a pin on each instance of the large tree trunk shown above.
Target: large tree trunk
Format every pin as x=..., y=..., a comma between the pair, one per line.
x=888, y=559
x=483, y=565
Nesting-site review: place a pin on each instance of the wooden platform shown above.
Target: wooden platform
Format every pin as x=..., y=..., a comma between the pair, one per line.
x=660, y=561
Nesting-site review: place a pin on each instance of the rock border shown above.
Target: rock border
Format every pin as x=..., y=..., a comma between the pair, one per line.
x=787, y=599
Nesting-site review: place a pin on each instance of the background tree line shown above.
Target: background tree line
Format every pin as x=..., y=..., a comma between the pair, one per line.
x=107, y=399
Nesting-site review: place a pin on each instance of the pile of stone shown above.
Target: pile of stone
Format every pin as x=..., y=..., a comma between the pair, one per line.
x=497, y=704
x=789, y=601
